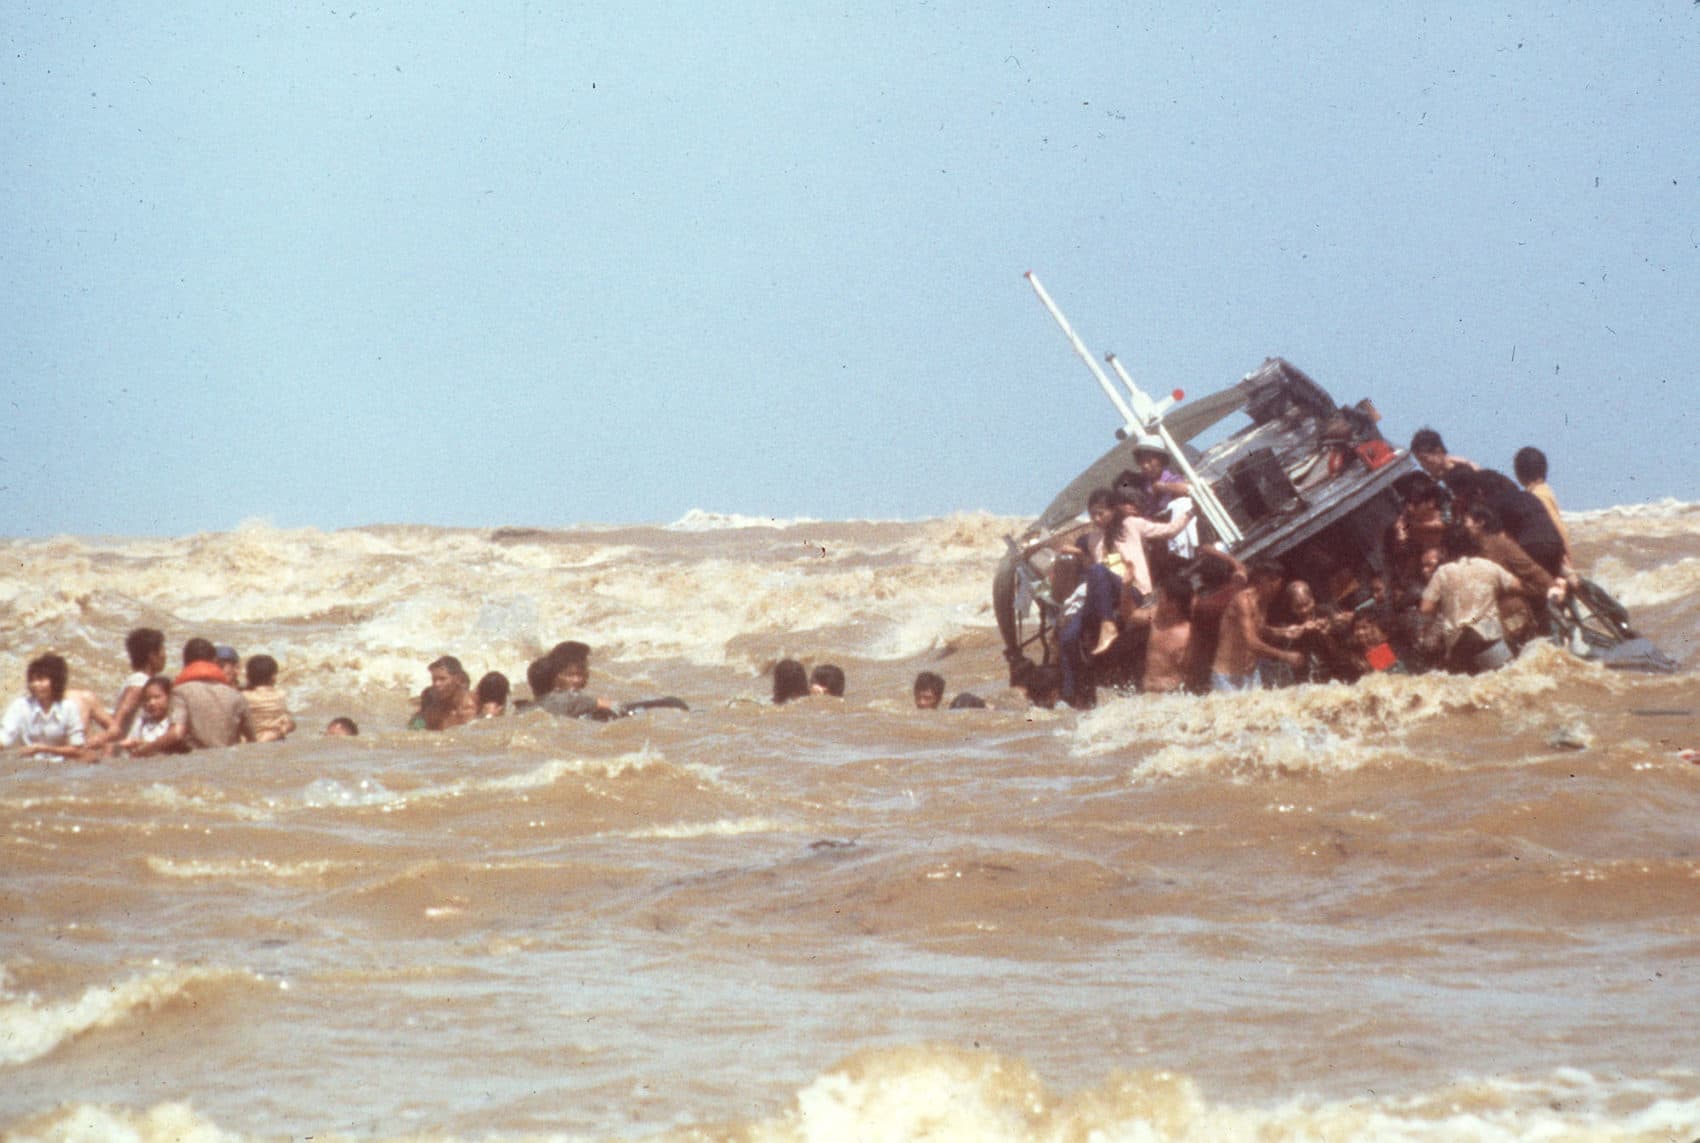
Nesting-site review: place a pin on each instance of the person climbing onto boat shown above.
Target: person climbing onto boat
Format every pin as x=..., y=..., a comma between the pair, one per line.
x=1463, y=595
x=1158, y=492
x=1524, y=517
x=1530, y=468
x=1431, y=453
x=1523, y=615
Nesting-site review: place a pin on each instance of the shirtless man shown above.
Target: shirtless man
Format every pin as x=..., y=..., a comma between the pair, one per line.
x=1242, y=643
x=1167, y=651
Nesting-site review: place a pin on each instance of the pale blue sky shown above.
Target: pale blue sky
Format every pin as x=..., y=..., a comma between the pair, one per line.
x=500, y=263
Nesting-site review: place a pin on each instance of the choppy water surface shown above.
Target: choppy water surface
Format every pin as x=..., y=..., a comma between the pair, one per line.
x=1427, y=908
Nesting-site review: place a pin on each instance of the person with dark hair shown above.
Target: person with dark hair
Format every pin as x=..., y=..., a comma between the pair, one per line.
x=1524, y=517
x=1042, y=684
x=268, y=705
x=1530, y=468
x=1119, y=540
x=146, y=648
x=41, y=720
x=1221, y=577
x=448, y=700
x=1420, y=525
x=790, y=681
x=148, y=736
x=492, y=694
x=570, y=651
x=1463, y=595
x=1168, y=649
x=827, y=679
x=1522, y=615
x=540, y=676
x=929, y=690
x=1242, y=639
x=205, y=709
x=567, y=696
x=1429, y=451
x=342, y=727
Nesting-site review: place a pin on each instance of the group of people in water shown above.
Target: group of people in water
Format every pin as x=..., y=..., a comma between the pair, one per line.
x=1471, y=570
x=205, y=704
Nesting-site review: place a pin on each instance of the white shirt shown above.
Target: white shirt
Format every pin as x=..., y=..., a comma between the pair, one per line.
x=137, y=680
x=26, y=721
x=1466, y=593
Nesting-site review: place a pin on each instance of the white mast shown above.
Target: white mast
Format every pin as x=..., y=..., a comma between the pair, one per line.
x=1146, y=421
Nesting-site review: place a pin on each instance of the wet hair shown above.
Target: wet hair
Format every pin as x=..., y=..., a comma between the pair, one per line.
x=1464, y=482
x=1113, y=498
x=829, y=678
x=1530, y=464
x=1103, y=498
x=790, y=680
x=346, y=723
x=493, y=687
x=1426, y=439
x=1487, y=518
x=1215, y=573
x=541, y=675
x=143, y=644
x=52, y=668
x=262, y=671
x=1178, y=588
x=966, y=701
x=1416, y=486
x=1265, y=571
x=199, y=650
x=929, y=682
x=1042, y=684
x=572, y=653
x=452, y=665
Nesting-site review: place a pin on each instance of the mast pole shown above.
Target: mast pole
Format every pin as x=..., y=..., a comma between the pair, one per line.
x=1202, y=494
x=1131, y=421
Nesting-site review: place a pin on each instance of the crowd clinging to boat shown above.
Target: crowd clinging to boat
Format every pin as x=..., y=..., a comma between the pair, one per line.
x=1472, y=569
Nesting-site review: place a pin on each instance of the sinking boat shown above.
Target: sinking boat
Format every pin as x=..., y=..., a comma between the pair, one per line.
x=1279, y=471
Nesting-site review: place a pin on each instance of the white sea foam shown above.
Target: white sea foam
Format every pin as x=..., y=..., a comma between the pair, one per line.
x=1650, y=586
x=247, y=867
x=947, y=1094
x=681, y=831
x=1332, y=728
x=698, y=520
x=31, y=1027
x=91, y=1123
x=331, y=793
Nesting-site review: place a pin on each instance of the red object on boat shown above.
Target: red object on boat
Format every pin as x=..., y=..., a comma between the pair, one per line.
x=1377, y=453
